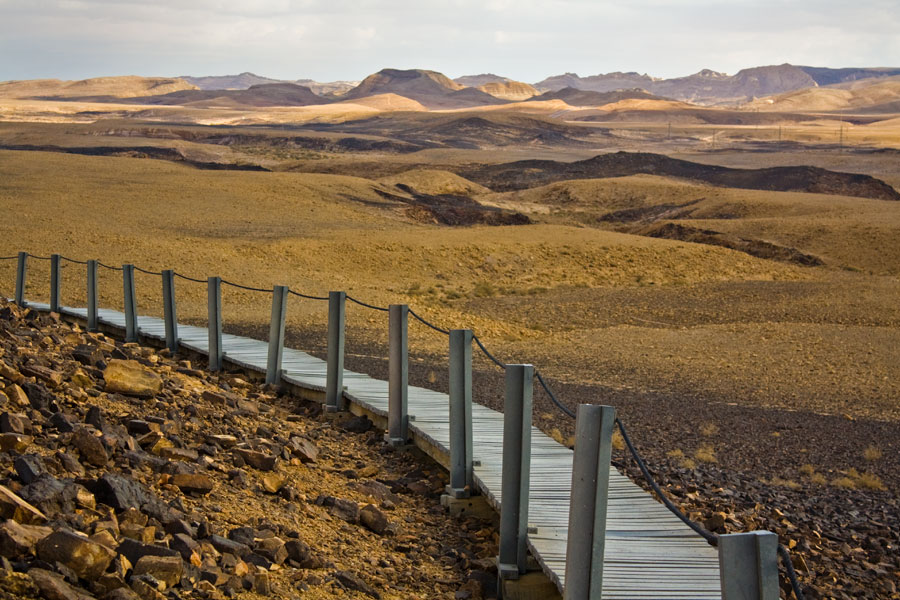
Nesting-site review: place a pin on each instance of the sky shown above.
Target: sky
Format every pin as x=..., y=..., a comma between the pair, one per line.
x=526, y=40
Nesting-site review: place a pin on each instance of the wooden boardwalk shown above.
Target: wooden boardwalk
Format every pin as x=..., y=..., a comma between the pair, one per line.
x=649, y=554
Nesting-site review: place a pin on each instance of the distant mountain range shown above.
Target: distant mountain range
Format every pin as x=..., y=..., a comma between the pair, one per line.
x=710, y=87
x=779, y=88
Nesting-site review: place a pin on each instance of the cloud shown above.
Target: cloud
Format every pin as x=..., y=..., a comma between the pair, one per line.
x=524, y=39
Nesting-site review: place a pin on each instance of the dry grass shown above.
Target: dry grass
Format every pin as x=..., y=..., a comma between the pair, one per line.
x=872, y=453
x=705, y=454
x=709, y=429
x=807, y=470
x=618, y=442
x=853, y=479
x=781, y=482
x=683, y=461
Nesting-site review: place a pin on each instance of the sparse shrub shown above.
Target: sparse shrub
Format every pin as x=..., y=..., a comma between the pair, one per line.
x=872, y=453
x=452, y=295
x=844, y=482
x=818, y=479
x=808, y=470
x=618, y=442
x=869, y=481
x=484, y=289
x=676, y=454
x=709, y=429
x=788, y=483
x=537, y=290
x=687, y=463
x=705, y=454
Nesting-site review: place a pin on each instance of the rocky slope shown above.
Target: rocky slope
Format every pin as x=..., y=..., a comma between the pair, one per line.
x=129, y=474
x=431, y=88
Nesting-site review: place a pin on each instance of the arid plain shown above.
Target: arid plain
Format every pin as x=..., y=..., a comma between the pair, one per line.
x=730, y=283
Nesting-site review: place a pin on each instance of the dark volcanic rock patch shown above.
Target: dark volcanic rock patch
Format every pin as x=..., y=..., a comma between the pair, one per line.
x=533, y=173
x=450, y=209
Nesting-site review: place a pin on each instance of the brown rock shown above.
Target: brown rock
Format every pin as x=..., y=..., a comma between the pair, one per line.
x=131, y=378
x=86, y=558
x=53, y=587
x=81, y=379
x=167, y=569
x=272, y=548
x=14, y=423
x=261, y=584
x=272, y=482
x=13, y=507
x=226, y=441
x=305, y=450
x=716, y=521
x=15, y=441
x=192, y=483
x=257, y=460
x=90, y=447
x=373, y=519
x=48, y=376
x=145, y=591
x=173, y=453
x=18, y=540
x=347, y=510
x=10, y=374
x=17, y=395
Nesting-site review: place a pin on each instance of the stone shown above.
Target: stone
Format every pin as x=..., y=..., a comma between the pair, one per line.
x=86, y=558
x=121, y=593
x=230, y=546
x=134, y=550
x=10, y=374
x=18, y=540
x=12, y=506
x=14, y=423
x=272, y=548
x=225, y=441
x=348, y=510
x=69, y=463
x=167, y=569
x=187, y=547
x=373, y=519
x=53, y=587
x=16, y=395
x=87, y=355
x=147, y=588
x=29, y=467
x=81, y=380
x=52, y=496
x=305, y=450
x=15, y=441
x=90, y=447
x=716, y=522
x=121, y=493
x=272, y=482
x=131, y=378
x=261, y=584
x=61, y=423
x=257, y=460
x=353, y=582
x=183, y=454
x=48, y=376
x=192, y=483
x=94, y=418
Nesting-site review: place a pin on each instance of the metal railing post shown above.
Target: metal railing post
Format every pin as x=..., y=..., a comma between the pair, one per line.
x=460, y=413
x=131, y=329
x=587, y=507
x=748, y=566
x=516, y=473
x=334, y=379
x=93, y=295
x=276, y=333
x=55, y=277
x=214, y=295
x=21, y=271
x=398, y=375
x=169, y=312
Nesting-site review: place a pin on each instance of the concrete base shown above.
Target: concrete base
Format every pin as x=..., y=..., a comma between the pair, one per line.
x=473, y=506
x=533, y=585
x=456, y=492
x=396, y=443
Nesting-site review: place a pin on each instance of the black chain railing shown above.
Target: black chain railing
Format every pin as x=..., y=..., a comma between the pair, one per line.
x=72, y=260
x=186, y=278
x=246, y=287
x=9, y=258
x=361, y=303
x=427, y=324
x=307, y=296
x=105, y=266
x=145, y=271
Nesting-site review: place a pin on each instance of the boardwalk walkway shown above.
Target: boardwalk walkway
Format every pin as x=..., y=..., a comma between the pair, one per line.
x=649, y=552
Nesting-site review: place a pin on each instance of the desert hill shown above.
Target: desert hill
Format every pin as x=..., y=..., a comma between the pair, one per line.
x=263, y=95
x=874, y=95
x=479, y=80
x=247, y=80
x=577, y=97
x=430, y=88
x=531, y=173
x=711, y=87
x=118, y=87
x=509, y=90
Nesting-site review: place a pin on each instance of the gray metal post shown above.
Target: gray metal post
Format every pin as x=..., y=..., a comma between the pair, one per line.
x=748, y=566
x=55, y=277
x=334, y=379
x=131, y=330
x=169, y=312
x=460, y=413
x=21, y=270
x=93, y=295
x=587, y=508
x=398, y=375
x=516, y=475
x=276, y=333
x=214, y=295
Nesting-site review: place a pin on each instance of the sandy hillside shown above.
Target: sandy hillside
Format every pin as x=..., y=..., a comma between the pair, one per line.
x=121, y=87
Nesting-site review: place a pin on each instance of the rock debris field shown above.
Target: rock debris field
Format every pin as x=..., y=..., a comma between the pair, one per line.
x=129, y=473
